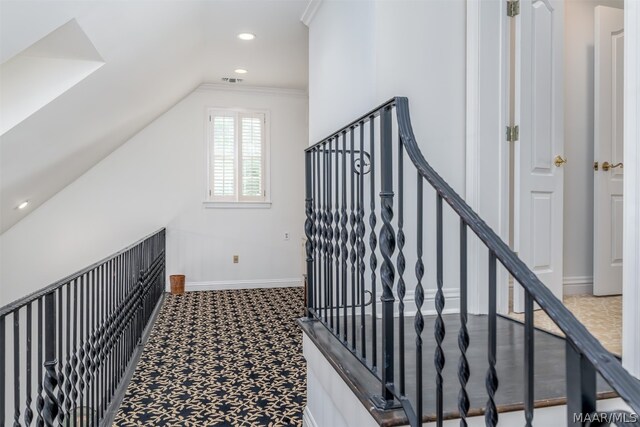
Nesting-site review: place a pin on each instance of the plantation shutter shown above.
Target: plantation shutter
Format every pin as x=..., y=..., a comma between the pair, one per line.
x=251, y=156
x=224, y=157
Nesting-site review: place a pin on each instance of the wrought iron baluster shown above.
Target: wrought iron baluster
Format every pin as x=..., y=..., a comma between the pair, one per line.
x=352, y=241
x=581, y=385
x=94, y=349
x=463, y=334
x=67, y=368
x=3, y=365
x=308, y=229
x=323, y=248
x=491, y=412
x=61, y=396
x=336, y=216
x=41, y=350
x=51, y=406
x=418, y=321
x=439, y=328
x=328, y=234
x=360, y=245
x=528, y=359
x=16, y=368
x=87, y=349
x=74, y=358
x=28, y=412
x=373, y=243
x=400, y=265
x=387, y=248
x=317, y=231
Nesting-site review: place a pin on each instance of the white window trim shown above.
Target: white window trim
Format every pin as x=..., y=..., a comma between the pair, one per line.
x=247, y=203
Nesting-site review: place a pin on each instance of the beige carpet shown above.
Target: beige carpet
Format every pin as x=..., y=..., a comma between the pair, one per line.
x=601, y=315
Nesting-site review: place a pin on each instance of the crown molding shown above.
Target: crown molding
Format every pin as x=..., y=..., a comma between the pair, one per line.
x=310, y=11
x=253, y=89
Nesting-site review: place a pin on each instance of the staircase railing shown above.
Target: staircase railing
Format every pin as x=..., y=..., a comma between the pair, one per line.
x=66, y=348
x=345, y=199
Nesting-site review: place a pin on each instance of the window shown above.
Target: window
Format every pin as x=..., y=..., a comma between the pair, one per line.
x=238, y=157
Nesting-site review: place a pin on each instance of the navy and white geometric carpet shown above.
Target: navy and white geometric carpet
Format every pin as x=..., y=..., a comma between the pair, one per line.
x=221, y=358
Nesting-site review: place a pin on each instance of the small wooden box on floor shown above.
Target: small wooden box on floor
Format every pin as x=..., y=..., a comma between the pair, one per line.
x=177, y=284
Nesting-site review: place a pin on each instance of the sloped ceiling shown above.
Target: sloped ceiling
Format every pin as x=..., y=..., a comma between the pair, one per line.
x=155, y=53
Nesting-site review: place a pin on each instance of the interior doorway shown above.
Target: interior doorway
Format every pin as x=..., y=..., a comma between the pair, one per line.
x=566, y=210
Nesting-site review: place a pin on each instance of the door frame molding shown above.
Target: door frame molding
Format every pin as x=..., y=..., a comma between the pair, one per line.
x=487, y=152
x=631, y=208
x=481, y=18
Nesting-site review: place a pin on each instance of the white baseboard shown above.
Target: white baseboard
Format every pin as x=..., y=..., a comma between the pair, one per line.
x=451, y=297
x=243, y=284
x=307, y=418
x=577, y=285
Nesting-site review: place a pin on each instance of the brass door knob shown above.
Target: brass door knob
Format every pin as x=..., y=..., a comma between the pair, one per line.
x=559, y=160
x=606, y=166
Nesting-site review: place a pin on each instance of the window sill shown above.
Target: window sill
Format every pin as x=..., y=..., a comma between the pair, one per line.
x=236, y=205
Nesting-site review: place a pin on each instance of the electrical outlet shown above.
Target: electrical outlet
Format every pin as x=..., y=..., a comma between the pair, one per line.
x=236, y=259
x=286, y=236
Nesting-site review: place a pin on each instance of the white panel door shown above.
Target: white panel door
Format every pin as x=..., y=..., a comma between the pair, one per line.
x=539, y=113
x=608, y=142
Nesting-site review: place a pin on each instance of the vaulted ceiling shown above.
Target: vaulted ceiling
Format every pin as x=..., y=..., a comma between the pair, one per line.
x=154, y=54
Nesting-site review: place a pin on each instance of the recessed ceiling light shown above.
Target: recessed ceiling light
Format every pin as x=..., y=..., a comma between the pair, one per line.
x=23, y=204
x=246, y=36
x=240, y=71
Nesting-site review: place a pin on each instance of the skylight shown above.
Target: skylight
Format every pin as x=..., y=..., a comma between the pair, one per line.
x=44, y=71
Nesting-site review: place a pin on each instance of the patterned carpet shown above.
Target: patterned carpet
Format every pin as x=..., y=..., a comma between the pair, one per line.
x=221, y=358
x=602, y=316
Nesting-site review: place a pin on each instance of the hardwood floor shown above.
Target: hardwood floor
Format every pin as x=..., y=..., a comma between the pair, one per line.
x=549, y=367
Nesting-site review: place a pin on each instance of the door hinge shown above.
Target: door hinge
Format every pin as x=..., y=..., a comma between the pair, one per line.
x=513, y=8
x=513, y=133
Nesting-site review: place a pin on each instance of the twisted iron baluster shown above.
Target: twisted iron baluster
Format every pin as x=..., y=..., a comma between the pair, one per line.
x=61, y=396
x=51, y=404
x=314, y=231
x=400, y=265
x=387, y=248
x=373, y=242
x=329, y=242
x=336, y=234
x=352, y=237
x=67, y=368
x=345, y=235
x=439, y=329
x=463, y=334
x=28, y=413
x=361, y=246
x=16, y=367
x=325, y=246
x=418, y=322
x=491, y=380
x=308, y=231
x=74, y=357
x=50, y=411
x=40, y=398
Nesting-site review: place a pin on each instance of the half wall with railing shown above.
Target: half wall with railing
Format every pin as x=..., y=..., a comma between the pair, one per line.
x=64, y=350
x=387, y=240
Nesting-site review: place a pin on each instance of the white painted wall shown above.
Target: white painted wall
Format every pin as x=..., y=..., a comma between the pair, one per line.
x=399, y=51
x=157, y=179
x=579, y=110
x=341, y=65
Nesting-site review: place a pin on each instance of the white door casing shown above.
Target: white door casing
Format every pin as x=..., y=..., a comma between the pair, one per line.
x=608, y=147
x=539, y=112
